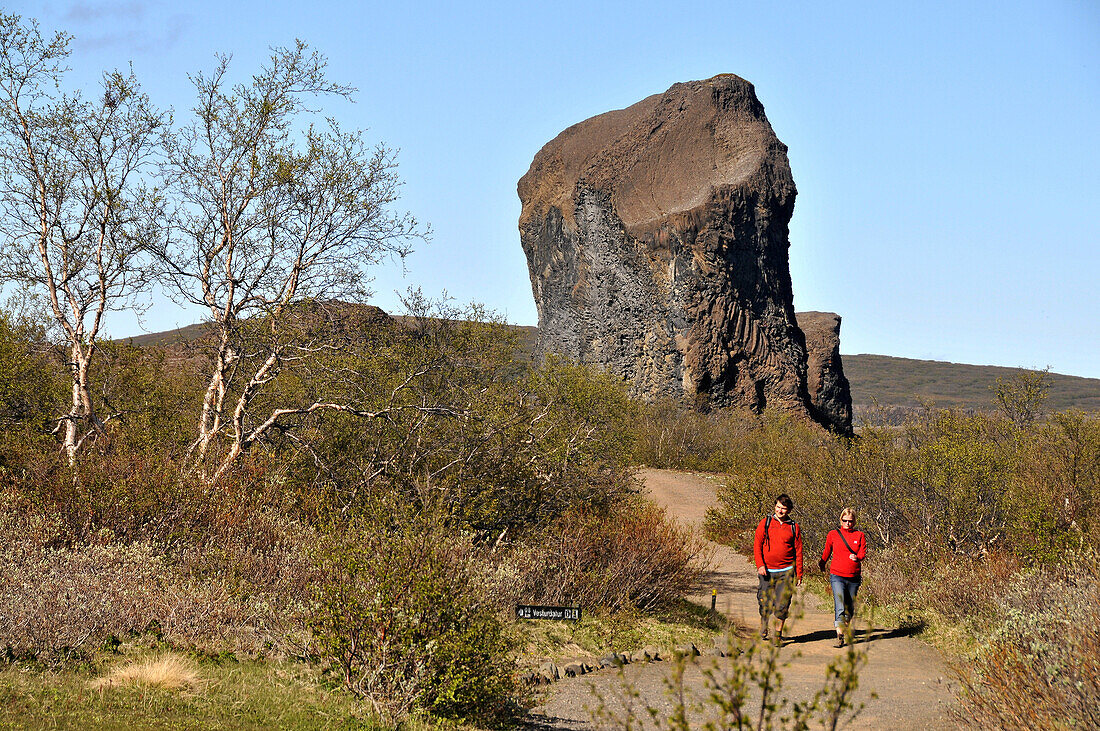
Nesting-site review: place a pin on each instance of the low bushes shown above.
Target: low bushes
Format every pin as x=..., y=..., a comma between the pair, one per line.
x=631, y=557
x=1040, y=667
x=61, y=604
x=402, y=616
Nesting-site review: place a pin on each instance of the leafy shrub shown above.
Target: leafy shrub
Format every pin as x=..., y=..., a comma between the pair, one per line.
x=630, y=557
x=669, y=436
x=1041, y=666
x=400, y=615
x=780, y=453
x=1053, y=491
x=494, y=442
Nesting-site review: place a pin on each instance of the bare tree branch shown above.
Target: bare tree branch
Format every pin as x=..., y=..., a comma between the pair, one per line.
x=266, y=220
x=74, y=214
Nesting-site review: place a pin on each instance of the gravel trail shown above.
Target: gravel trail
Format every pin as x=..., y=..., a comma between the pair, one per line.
x=904, y=684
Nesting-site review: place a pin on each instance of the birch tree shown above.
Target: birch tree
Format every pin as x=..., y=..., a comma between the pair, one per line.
x=268, y=212
x=75, y=216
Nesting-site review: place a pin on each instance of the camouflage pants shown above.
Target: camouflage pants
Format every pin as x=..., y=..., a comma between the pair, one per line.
x=775, y=592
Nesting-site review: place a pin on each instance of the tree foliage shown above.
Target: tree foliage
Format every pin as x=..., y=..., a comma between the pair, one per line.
x=1022, y=397
x=75, y=214
x=266, y=216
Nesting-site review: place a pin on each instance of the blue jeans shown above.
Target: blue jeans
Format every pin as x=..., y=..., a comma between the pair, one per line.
x=844, y=597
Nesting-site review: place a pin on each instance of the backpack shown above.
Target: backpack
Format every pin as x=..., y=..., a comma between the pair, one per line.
x=768, y=525
x=767, y=535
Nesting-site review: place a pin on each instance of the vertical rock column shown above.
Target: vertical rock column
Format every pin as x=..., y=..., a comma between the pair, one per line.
x=657, y=243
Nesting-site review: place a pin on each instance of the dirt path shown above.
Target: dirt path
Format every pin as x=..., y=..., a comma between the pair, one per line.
x=903, y=686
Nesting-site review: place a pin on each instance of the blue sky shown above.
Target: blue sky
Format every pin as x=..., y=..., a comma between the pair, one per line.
x=945, y=154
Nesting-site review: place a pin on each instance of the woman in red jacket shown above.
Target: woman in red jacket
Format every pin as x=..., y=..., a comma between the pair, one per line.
x=848, y=548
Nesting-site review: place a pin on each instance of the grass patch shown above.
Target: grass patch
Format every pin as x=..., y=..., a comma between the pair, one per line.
x=174, y=692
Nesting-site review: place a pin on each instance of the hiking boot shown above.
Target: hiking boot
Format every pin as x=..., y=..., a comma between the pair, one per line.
x=839, y=641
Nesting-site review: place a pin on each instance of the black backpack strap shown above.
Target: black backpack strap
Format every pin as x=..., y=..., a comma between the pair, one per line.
x=844, y=540
x=766, y=542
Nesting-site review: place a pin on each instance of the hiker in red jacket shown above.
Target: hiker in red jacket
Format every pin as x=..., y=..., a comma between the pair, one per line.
x=778, y=552
x=848, y=548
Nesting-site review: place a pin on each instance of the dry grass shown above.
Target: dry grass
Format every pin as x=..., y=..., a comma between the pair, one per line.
x=58, y=603
x=168, y=671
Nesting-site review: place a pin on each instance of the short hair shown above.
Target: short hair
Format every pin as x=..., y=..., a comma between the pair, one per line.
x=848, y=511
x=785, y=500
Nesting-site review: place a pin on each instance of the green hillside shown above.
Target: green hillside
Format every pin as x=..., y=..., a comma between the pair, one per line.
x=904, y=382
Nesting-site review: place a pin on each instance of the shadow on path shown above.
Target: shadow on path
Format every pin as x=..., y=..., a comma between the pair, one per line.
x=815, y=636
x=859, y=636
x=882, y=633
x=539, y=722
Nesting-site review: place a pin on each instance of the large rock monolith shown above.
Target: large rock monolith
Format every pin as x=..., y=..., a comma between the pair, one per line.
x=656, y=239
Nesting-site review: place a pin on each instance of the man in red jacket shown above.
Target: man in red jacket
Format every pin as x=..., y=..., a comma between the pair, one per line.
x=778, y=552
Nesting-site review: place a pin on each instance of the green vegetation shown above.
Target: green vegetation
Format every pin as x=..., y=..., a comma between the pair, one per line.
x=228, y=694
x=984, y=527
x=310, y=514
x=399, y=615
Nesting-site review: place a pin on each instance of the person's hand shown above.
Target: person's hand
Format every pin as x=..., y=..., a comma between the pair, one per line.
x=761, y=570
x=798, y=581
x=821, y=564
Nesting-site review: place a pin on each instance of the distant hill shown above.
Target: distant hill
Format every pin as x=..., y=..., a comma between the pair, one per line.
x=171, y=337
x=895, y=384
x=904, y=383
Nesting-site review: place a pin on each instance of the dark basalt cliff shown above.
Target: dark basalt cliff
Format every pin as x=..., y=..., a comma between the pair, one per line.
x=656, y=238
x=830, y=394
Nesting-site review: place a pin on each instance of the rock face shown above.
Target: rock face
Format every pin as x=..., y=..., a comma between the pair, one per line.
x=830, y=394
x=656, y=239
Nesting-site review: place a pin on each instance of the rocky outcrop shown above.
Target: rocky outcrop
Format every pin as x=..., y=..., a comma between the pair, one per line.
x=830, y=395
x=656, y=239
